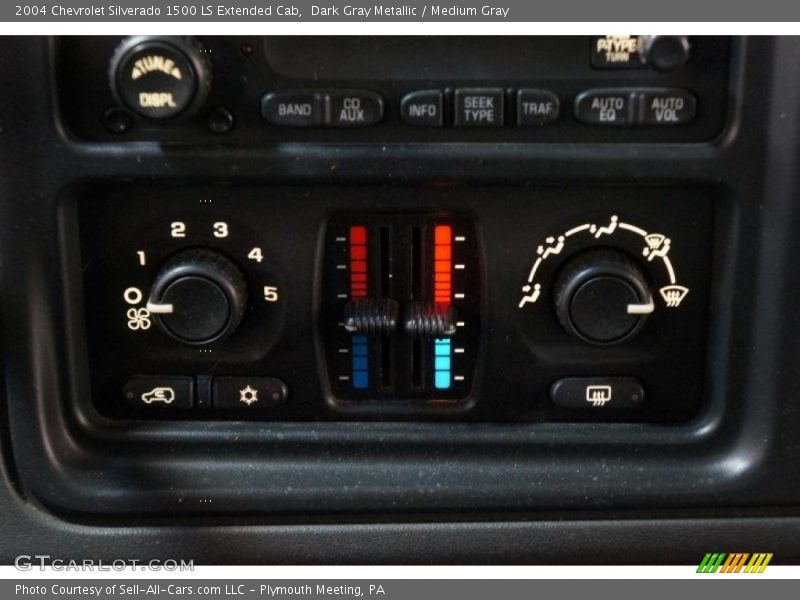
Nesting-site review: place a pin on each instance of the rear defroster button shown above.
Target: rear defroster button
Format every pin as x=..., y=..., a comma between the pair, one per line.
x=597, y=392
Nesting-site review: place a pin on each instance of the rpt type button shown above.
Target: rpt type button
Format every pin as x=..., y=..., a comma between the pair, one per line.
x=479, y=107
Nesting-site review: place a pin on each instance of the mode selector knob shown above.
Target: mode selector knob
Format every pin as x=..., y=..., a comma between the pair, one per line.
x=160, y=77
x=602, y=297
x=199, y=296
x=665, y=52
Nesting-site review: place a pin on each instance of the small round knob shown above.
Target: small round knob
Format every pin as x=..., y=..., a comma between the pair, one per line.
x=198, y=297
x=602, y=297
x=160, y=77
x=665, y=52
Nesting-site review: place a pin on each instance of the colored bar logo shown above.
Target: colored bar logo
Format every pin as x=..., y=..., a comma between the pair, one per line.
x=734, y=562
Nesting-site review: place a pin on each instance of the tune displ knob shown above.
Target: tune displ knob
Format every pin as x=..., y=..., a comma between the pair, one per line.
x=160, y=77
x=198, y=297
x=602, y=297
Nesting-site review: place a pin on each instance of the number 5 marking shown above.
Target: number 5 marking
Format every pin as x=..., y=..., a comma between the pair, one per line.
x=270, y=293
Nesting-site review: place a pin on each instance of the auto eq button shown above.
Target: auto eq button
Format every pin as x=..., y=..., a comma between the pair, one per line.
x=248, y=393
x=479, y=107
x=597, y=393
x=159, y=392
x=293, y=108
x=612, y=107
x=353, y=108
x=667, y=106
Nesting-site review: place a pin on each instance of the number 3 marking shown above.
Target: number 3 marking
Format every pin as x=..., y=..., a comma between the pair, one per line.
x=220, y=229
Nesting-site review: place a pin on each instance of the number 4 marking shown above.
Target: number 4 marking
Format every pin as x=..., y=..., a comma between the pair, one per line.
x=255, y=254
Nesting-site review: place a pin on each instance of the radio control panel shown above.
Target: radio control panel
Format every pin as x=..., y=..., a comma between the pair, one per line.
x=256, y=91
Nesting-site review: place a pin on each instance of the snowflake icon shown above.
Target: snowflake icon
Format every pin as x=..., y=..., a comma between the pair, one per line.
x=248, y=395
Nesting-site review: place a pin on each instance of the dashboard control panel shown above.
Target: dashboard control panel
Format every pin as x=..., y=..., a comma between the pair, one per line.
x=400, y=302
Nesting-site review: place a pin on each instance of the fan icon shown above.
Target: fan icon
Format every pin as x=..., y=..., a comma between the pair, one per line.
x=248, y=395
x=138, y=318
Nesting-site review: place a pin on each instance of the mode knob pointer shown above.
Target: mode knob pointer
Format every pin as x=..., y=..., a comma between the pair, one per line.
x=199, y=296
x=602, y=297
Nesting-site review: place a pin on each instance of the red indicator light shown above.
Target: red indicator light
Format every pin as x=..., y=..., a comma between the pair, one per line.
x=442, y=265
x=358, y=261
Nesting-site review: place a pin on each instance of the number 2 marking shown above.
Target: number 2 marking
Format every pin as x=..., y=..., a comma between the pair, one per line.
x=178, y=229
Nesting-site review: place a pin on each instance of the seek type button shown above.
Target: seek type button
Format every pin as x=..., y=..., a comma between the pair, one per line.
x=479, y=107
x=536, y=107
x=605, y=107
x=597, y=392
x=248, y=393
x=354, y=108
x=293, y=108
x=157, y=392
x=667, y=107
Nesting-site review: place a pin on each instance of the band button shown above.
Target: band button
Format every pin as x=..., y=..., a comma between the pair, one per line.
x=293, y=108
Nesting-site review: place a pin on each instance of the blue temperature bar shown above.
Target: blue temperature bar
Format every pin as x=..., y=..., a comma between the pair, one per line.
x=360, y=362
x=441, y=364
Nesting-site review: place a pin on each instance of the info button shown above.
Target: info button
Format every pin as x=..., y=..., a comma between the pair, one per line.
x=293, y=108
x=422, y=108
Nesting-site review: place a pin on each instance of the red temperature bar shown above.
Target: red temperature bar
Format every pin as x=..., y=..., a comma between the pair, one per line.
x=443, y=263
x=358, y=261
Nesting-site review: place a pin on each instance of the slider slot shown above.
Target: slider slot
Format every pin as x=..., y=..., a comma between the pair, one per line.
x=385, y=262
x=385, y=343
x=417, y=368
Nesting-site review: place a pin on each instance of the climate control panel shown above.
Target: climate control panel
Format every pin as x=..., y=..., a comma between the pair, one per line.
x=464, y=303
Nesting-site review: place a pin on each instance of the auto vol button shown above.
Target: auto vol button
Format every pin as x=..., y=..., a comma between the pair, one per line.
x=667, y=107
